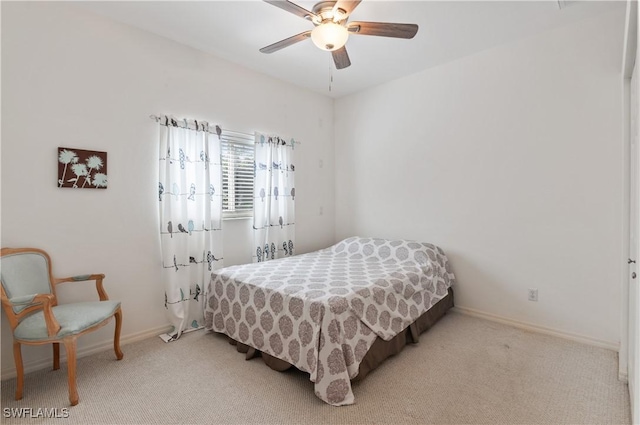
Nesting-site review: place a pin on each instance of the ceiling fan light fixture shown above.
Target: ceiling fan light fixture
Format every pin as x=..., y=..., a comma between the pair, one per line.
x=329, y=36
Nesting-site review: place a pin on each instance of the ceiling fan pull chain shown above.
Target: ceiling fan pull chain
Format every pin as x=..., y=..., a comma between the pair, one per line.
x=330, y=75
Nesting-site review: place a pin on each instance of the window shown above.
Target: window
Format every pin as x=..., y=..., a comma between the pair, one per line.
x=237, y=175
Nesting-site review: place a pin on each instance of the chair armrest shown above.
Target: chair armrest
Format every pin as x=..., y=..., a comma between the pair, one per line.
x=87, y=277
x=47, y=300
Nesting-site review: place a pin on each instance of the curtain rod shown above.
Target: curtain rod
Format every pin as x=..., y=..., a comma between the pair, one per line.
x=192, y=123
x=223, y=132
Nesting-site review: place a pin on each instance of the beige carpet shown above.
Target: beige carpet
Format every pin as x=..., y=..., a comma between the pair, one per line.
x=465, y=370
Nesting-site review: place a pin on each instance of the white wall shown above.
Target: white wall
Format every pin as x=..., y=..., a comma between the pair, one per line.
x=74, y=79
x=511, y=161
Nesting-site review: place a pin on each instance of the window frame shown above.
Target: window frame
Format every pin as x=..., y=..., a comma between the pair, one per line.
x=230, y=141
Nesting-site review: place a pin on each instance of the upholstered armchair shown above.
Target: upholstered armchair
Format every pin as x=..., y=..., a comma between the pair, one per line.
x=30, y=303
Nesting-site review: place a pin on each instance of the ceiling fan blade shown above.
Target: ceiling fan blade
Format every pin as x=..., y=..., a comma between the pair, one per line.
x=383, y=29
x=292, y=8
x=341, y=58
x=346, y=5
x=286, y=42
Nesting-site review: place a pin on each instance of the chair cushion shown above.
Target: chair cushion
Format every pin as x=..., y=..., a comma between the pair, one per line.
x=73, y=318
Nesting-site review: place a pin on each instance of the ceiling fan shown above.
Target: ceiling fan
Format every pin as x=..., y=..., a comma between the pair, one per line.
x=332, y=29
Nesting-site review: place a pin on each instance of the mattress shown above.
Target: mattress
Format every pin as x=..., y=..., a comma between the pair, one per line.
x=323, y=311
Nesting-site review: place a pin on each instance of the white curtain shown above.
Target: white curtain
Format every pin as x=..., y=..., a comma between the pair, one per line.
x=190, y=206
x=274, y=198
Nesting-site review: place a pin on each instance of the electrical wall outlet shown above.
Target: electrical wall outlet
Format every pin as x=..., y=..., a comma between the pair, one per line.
x=533, y=294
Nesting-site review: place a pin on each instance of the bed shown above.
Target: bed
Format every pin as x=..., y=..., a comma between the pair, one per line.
x=324, y=311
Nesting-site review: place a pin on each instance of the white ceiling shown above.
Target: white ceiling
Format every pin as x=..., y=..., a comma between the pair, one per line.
x=235, y=30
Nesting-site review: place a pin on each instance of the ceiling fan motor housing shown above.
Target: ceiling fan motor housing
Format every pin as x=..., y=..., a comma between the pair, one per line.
x=324, y=13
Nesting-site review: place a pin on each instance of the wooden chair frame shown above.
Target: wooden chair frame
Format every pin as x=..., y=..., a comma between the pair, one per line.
x=45, y=302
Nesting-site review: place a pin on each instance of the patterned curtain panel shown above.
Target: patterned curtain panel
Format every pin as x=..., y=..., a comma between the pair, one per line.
x=274, y=198
x=190, y=205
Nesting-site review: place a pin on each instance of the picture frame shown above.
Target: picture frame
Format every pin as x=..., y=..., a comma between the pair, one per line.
x=82, y=169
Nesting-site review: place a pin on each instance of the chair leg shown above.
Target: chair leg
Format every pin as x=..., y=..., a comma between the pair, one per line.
x=116, y=337
x=70, y=347
x=17, y=356
x=56, y=355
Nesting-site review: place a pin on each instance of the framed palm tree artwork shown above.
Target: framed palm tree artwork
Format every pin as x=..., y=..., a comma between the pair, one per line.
x=82, y=169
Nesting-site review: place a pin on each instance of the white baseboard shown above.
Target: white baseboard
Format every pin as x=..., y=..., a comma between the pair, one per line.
x=610, y=345
x=32, y=366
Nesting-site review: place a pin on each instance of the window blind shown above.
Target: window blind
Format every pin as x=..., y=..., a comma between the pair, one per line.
x=237, y=175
